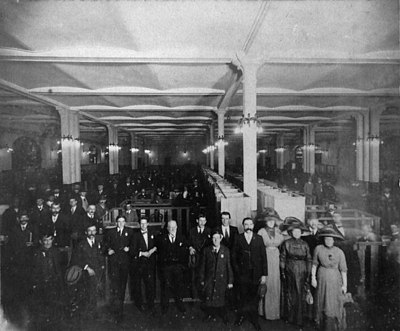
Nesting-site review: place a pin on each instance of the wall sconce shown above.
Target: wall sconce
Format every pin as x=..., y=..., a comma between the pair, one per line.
x=262, y=151
x=134, y=150
x=248, y=121
x=209, y=149
x=221, y=141
x=147, y=151
x=374, y=139
x=310, y=146
x=114, y=147
x=280, y=149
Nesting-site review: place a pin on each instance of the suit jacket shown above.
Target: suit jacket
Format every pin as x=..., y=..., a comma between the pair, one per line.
x=216, y=273
x=249, y=260
x=18, y=253
x=92, y=256
x=38, y=216
x=233, y=233
x=113, y=240
x=76, y=220
x=139, y=245
x=199, y=240
x=172, y=253
x=61, y=229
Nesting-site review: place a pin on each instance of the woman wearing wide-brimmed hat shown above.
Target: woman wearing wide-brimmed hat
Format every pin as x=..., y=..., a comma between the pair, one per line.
x=329, y=276
x=295, y=266
x=269, y=305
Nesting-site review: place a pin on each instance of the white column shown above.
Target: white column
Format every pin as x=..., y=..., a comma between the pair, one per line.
x=134, y=155
x=366, y=147
x=359, y=145
x=306, y=161
x=280, y=154
x=212, y=144
x=374, y=145
x=311, y=151
x=70, y=146
x=250, y=133
x=113, y=164
x=221, y=145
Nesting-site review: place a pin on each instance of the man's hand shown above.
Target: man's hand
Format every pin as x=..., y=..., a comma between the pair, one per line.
x=263, y=280
x=145, y=254
x=230, y=286
x=192, y=251
x=111, y=252
x=90, y=271
x=126, y=249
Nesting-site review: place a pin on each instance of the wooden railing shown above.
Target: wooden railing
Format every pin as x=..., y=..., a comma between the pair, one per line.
x=158, y=214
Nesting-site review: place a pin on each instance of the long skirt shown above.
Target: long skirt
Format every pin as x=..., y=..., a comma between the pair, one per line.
x=269, y=306
x=330, y=310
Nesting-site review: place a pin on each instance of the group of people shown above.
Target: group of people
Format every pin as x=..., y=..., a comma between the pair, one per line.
x=55, y=264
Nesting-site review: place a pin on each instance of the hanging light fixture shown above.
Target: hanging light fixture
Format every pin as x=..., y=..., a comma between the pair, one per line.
x=249, y=121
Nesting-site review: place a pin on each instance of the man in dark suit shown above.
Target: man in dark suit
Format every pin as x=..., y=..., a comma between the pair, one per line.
x=89, y=256
x=144, y=266
x=58, y=224
x=75, y=215
x=249, y=260
x=228, y=231
x=17, y=271
x=199, y=238
x=38, y=213
x=118, y=242
x=173, y=260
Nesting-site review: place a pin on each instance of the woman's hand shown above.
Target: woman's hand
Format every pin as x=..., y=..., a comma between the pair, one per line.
x=344, y=289
x=313, y=282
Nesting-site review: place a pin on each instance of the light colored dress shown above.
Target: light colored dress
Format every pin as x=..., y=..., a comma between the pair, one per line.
x=330, y=262
x=269, y=306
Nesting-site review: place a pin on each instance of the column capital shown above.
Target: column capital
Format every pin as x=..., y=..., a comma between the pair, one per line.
x=245, y=63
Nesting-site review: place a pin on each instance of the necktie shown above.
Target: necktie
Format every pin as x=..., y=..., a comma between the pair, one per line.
x=172, y=238
x=120, y=232
x=226, y=235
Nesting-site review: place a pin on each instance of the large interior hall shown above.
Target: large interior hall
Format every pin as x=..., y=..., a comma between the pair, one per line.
x=175, y=109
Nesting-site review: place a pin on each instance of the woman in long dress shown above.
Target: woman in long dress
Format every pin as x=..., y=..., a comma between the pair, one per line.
x=329, y=276
x=269, y=306
x=295, y=264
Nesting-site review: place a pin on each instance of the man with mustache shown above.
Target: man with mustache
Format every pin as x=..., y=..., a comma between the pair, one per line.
x=249, y=260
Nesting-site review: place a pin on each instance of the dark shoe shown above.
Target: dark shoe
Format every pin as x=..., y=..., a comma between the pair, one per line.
x=239, y=321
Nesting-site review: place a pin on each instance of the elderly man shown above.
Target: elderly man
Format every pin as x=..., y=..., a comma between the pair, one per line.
x=144, y=266
x=173, y=260
x=118, y=242
x=249, y=260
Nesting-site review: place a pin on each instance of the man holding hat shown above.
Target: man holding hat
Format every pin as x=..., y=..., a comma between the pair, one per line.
x=89, y=256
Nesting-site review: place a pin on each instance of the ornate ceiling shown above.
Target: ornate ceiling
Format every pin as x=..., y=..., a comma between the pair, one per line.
x=162, y=69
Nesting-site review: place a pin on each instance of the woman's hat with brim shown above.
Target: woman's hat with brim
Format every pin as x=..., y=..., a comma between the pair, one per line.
x=292, y=223
x=328, y=231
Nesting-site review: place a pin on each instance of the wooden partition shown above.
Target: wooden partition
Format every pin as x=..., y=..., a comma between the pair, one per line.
x=158, y=214
x=352, y=219
x=228, y=197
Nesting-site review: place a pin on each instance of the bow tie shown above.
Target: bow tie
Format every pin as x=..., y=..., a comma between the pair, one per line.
x=144, y=232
